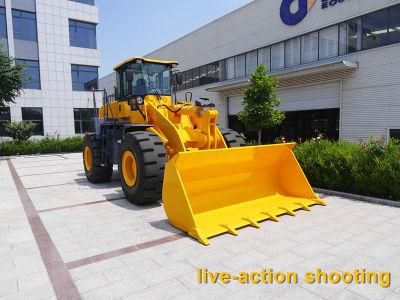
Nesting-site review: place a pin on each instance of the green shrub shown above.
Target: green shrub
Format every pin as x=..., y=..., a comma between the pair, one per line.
x=20, y=131
x=45, y=145
x=252, y=143
x=371, y=168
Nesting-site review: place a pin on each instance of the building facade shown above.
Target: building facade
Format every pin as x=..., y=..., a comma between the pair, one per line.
x=337, y=61
x=56, y=43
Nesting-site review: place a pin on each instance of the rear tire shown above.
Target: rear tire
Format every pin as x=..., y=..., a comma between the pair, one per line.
x=232, y=138
x=94, y=171
x=141, y=166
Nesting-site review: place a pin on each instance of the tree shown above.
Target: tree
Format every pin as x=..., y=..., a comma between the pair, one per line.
x=11, y=79
x=260, y=102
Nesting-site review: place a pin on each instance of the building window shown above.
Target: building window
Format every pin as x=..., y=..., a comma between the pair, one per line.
x=84, y=78
x=89, y=2
x=203, y=75
x=307, y=124
x=343, y=39
x=213, y=72
x=394, y=134
x=221, y=70
x=375, y=29
x=196, y=77
x=5, y=117
x=34, y=115
x=31, y=73
x=278, y=56
x=3, y=23
x=83, y=118
x=188, y=79
x=251, y=62
x=182, y=86
x=353, y=31
x=264, y=57
x=369, y=31
x=292, y=52
x=24, y=25
x=297, y=126
x=329, y=42
x=216, y=76
x=394, y=24
x=309, y=47
x=82, y=34
x=240, y=66
x=230, y=68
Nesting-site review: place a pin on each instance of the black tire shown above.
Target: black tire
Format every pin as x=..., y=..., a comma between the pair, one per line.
x=150, y=155
x=97, y=173
x=232, y=138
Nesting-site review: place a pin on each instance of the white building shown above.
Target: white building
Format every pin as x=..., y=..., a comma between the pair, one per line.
x=338, y=62
x=56, y=41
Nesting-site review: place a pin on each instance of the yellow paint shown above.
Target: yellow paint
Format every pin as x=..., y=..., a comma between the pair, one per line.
x=87, y=155
x=122, y=111
x=182, y=127
x=210, y=192
x=145, y=59
x=129, y=168
x=210, y=189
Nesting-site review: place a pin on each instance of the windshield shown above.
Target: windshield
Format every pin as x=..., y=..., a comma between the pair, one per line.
x=150, y=79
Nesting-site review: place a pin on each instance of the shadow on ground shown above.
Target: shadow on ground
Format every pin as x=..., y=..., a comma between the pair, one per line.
x=164, y=225
x=114, y=183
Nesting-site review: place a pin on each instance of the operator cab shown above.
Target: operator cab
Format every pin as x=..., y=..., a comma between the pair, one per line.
x=138, y=77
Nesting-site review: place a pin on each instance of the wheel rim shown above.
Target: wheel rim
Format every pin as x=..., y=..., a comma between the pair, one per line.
x=87, y=154
x=129, y=168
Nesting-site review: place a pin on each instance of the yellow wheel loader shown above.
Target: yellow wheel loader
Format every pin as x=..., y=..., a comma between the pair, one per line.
x=173, y=150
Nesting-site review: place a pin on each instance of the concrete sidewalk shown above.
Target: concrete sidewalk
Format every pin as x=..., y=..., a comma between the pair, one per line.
x=62, y=237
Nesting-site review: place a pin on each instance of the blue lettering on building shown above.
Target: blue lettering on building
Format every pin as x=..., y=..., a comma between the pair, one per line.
x=327, y=3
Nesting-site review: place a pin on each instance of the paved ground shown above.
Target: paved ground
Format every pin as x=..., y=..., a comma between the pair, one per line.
x=62, y=237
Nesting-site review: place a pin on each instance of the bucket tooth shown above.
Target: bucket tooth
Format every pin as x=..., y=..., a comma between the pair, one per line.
x=288, y=211
x=252, y=222
x=230, y=229
x=303, y=206
x=202, y=239
x=218, y=191
x=319, y=201
x=270, y=216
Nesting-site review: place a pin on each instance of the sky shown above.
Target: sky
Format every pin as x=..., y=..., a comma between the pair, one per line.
x=136, y=27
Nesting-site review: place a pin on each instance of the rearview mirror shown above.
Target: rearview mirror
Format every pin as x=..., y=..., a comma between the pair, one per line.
x=129, y=75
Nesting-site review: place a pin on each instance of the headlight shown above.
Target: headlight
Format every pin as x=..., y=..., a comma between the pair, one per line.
x=139, y=100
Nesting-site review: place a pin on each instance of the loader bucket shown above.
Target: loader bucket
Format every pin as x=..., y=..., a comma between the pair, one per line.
x=211, y=192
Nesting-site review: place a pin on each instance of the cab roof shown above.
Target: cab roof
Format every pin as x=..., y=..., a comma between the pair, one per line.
x=145, y=59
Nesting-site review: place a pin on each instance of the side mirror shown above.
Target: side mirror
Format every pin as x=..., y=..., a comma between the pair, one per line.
x=129, y=75
x=177, y=78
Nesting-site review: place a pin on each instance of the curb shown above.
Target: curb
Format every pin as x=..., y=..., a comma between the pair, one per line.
x=359, y=197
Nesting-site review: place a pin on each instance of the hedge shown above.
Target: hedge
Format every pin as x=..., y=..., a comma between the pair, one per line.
x=45, y=145
x=370, y=169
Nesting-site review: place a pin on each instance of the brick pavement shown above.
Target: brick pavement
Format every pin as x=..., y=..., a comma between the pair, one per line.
x=111, y=249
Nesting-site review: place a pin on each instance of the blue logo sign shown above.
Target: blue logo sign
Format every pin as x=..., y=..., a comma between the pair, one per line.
x=293, y=18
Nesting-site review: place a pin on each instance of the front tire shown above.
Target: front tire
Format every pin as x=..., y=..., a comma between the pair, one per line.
x=94, y=171
x=141, y=166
